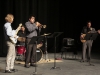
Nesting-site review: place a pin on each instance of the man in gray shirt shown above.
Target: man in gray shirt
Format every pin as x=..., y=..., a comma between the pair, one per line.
x=32, y=28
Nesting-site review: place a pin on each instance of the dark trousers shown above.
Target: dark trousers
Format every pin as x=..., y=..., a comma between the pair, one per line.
x=30, y=52
x=87, y=46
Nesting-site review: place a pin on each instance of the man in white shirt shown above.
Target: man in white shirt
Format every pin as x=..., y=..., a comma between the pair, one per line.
x=11, y=54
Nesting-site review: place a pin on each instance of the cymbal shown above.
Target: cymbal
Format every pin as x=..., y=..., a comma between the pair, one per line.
x=45, y=34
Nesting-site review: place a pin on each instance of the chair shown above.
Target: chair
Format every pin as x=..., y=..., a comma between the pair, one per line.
x=68, y=45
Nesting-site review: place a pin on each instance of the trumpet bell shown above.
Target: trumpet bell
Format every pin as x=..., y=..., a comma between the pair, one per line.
x=44, y=26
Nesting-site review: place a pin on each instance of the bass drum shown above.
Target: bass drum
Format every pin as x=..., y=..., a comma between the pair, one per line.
x=39, y=45
x=20, y=53
x=39, y=55
x=20, y=50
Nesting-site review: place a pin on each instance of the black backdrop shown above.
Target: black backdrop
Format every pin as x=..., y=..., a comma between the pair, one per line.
x=59, y=16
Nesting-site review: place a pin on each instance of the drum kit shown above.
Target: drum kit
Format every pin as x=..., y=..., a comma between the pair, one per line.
x=21, y=50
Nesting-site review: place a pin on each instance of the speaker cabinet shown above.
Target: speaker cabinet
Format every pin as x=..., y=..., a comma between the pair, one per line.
x=68, y=41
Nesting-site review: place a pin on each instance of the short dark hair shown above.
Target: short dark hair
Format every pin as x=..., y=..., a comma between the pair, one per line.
x=31, y=15
x=89, y=21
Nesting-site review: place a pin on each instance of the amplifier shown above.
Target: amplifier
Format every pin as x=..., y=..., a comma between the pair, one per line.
x=68, y=41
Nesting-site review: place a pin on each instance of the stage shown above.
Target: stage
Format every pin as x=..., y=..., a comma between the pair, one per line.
x=68, y=66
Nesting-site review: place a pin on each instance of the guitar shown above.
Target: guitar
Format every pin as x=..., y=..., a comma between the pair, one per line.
x=13, y=39
x=82, y=39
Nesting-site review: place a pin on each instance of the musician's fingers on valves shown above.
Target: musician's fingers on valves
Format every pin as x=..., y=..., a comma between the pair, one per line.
x=37, y=24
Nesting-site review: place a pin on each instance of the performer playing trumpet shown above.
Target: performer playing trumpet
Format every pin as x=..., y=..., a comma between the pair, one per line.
x=32, y=29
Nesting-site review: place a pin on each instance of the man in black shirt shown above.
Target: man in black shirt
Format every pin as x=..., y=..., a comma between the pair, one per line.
x=87, y=44
x=22, y=36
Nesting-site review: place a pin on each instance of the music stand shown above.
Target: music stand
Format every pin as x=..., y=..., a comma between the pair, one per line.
x=91, y=36
x=55, y=35
x=36, y=39
x=88, y=36
x=94, y=36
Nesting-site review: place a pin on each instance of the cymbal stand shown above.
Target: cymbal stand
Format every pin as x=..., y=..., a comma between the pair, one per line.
x=46, y=53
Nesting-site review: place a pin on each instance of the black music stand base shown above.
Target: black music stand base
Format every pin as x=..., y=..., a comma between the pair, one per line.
x=55, y=68
x=35, y=73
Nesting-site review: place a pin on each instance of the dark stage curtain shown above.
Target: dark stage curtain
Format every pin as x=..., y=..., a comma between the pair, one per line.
x=45, y=11
x=59, y=16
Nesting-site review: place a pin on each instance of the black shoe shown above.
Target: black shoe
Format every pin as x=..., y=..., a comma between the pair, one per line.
x=27, y=66
x=34, y=65
x=82, y=61
x=13, y=70
x=8, y=71
x=88, y=60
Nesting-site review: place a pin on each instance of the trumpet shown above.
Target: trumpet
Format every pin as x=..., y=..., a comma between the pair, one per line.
x=40, y=25
x=43, y=26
